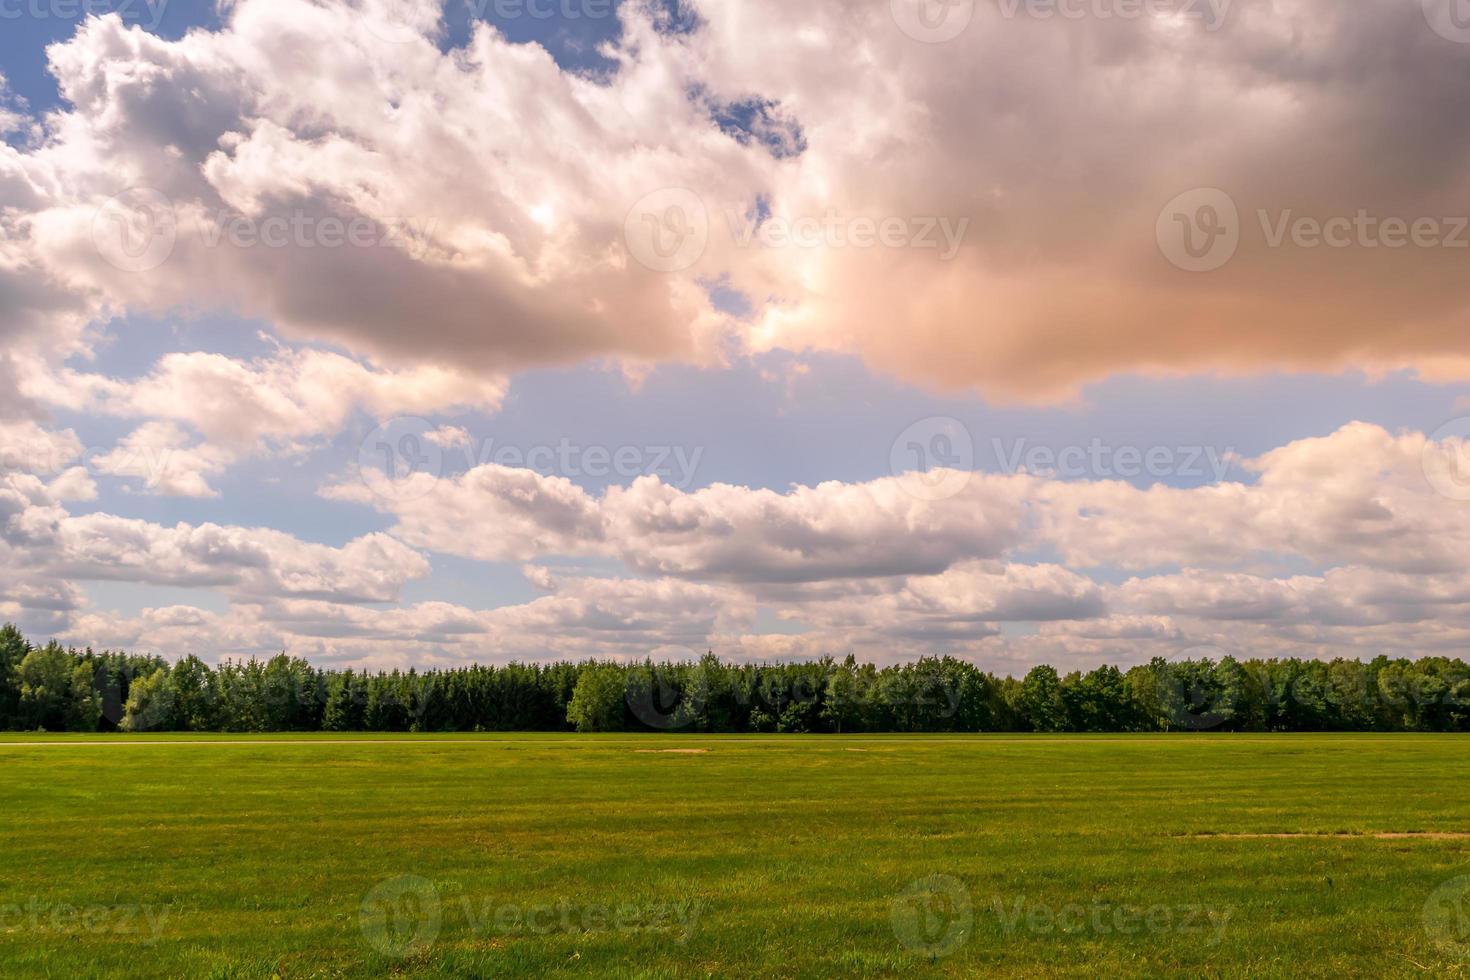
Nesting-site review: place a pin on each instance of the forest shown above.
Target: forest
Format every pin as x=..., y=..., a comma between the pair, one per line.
x=54, y=688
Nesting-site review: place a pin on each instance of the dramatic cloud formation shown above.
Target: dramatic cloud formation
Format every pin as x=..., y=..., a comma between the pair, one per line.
x=983, y=212
x=1373, y=563
x=1002, y=204
x=833, y=531
x=1359, y=496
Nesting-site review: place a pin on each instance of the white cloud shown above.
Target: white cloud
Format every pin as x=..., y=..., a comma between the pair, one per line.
x=505, y=185
x=38, y=535
x=448, y=436
x=869, y=568
x=443, y=219
x=1359, y=495
x=160, y=454
x=720, y=533
x=284, y=401
x=26, y=447
x=491, y=513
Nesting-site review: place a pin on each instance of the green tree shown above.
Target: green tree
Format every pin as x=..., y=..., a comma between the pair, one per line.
x=1041, y=700
x=346, y=701
x=45, y=688
x=84, y=705
x=1100, y=701
x=13, y=649
x=597, y=700
x=195, y=696
x=150, y=703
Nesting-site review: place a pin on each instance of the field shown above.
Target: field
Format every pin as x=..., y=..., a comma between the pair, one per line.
x=734, y=856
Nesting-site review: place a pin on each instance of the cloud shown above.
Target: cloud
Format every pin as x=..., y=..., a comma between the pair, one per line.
x=244, y=561
x=459, y=210
x=284, y=401
x=491, y=513
x=833, y=530
x=27, y=447
x=161, y=456
x=1339, y=543
x=587, y=618
x=720, y=533
x=38, y=535
x=421, y=223
x=448, y=436
x=1062, y=140
x=1358, y=496
x=982, y=213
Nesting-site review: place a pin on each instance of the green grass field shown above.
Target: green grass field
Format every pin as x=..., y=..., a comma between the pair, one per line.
x=771, y=856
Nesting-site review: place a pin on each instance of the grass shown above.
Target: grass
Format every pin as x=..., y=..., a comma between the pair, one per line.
x=303, y=856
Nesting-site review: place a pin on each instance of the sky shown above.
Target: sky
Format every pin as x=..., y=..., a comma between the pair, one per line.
x=393, y=332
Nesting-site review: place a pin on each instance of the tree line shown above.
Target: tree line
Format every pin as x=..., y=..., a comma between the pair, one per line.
x=55, y=688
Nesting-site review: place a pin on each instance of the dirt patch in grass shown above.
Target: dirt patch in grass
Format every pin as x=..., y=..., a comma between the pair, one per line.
x=671, y=751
